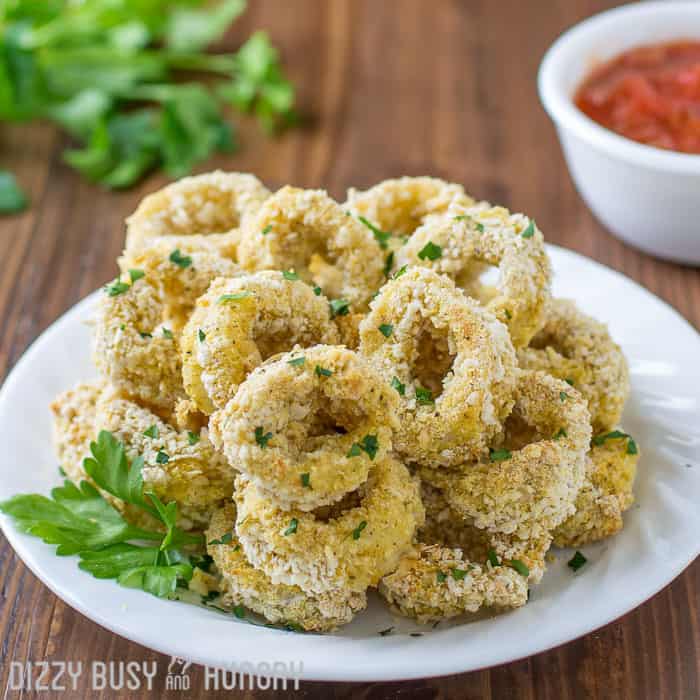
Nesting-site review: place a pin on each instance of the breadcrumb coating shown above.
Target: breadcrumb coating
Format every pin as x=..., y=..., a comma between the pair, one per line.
x=485, y=235
x=207, y=209
x=437, y=583
x=605, y=495
x=308, y=232
x=575, y=347
x=137, y=330
x=351, y=549
x=307, y=427
x=423, y=335
x=399, y=206
x=242, y=584
x=241, y=322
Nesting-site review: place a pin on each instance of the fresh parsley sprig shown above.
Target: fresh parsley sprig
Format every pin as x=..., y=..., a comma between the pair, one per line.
x=79, y=520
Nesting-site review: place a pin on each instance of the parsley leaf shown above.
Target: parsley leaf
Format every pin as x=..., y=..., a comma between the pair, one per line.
x=179, y=259
x=499, y=455
x=430, y=251
x=293, y=524
x=261, y=437
x=382, y=237
x=322, y=371
x=577, y=561
x=297, y=361
x=192, y=438
x=529, y=232
x=386, y=329
x=290, y=275
x=233, y=297
x=358, y=530
x=519, y=566
x=424, y=397
x=339, y=307
x=396, y=384
x=305, y=480
x=152, y=431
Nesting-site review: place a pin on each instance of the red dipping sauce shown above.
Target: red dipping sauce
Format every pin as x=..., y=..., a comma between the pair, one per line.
x=650, y=94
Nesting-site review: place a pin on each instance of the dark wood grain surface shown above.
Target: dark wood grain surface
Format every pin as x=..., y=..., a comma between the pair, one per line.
x=392, y=87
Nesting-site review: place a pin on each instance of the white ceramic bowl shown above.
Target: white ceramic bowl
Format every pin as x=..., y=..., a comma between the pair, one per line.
x=647, y=196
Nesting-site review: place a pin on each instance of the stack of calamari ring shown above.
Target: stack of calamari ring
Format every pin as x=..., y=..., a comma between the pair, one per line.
x=342, y=399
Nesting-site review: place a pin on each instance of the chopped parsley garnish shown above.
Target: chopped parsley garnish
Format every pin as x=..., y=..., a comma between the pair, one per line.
x=162, y=457
x=388, y=263
x=233, y=297
x=477, y=224
x=569, y=381
x=293, y=523
x=560, y=434
x=116, y=288
x=508, y=314
x=239, y=612
x=136, y=275
x=358, y=530
x=396, y=384
x=306, y=480
x=145, y=335
x=192, y=438
x=519, y=566
x=290, y=275
x=458, y=574
x=201, y=335
x=399, y=272
x=179, y=259
x=424, y=396
x=152, y=431
x=632, y=448
x=499, y=455
x=430, y=251
x=261, y=437
x=577, y=561
x=318, y=291
x=493, y=557
x=479, y=227
x=563, y=396
x=266, y=230
x=225, y=539
x=441, y=576
x=297, y=361
x=339, y=307
x=322, y=371
x=369, y=444
x=354, y=451
x=381, y=236
x=529, y=232
x=167, y=333
x=386, y=329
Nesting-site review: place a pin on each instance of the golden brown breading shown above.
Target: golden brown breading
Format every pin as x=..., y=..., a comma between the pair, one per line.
x=436, y=583
x=242, y=584
x=308, y=232
x=605, y=495
x=204, y=210
x=307, y=431
x=449, y=360
x=473, y=236
x=351, y=549
x=575, y=347
x=239, y=323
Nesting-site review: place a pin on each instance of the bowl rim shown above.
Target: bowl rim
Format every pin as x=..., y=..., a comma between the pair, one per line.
x=565, y=115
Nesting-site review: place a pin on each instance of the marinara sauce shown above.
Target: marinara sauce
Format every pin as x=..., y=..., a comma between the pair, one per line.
x=650, y=94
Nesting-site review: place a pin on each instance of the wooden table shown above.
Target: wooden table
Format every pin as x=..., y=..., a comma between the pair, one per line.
x=393, y=87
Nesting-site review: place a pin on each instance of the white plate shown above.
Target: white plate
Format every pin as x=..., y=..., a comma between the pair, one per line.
x=659, y=540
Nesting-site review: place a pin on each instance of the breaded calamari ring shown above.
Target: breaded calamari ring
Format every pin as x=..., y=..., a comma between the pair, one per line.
x=449, y=528
x=138, y=321
x=529, y=485
x=482, y=234
x=308, y=232
x=575, y=347
x=307, y=426
x=436, y=583
x=207, y=210
x=351, y=549
x=450, y=361
x=241, y=322
x=178, y=466
x=605, y=495
x=242, y=584
x=399, y=206
x=74, y=427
